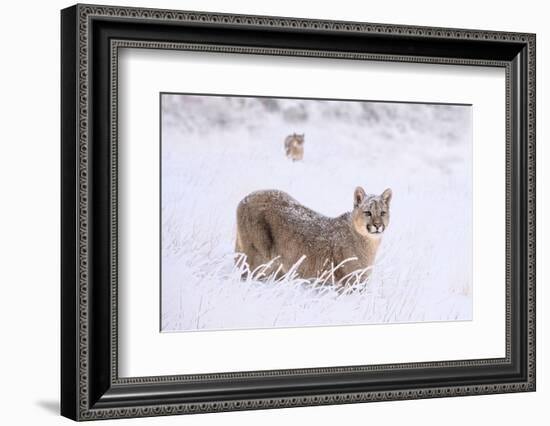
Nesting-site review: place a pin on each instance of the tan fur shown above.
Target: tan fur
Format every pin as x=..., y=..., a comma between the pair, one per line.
x=273, y=225
x=294, y=146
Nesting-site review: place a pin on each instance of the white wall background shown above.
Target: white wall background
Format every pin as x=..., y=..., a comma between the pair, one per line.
x=29, y=225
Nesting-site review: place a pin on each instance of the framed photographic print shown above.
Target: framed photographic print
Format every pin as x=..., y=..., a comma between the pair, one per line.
x=263, y=212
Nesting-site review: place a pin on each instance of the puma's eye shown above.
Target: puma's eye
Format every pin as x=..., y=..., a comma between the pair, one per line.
x=368, y=214
x=383, y=213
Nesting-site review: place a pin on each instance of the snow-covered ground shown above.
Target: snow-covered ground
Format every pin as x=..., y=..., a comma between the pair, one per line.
x=216, y=150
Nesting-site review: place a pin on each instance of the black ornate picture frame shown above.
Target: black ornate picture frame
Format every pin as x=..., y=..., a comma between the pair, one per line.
x=90, y=384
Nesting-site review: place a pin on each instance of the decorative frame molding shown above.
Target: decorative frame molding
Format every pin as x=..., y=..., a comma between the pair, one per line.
x=91, y=388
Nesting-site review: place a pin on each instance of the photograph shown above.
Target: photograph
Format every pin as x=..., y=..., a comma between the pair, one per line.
x=297, y=212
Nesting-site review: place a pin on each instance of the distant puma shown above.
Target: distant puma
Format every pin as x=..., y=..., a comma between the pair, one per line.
x=273, y=225
x=294, y=146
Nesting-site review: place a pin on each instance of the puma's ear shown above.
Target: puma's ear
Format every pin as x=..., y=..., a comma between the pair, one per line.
x=358, y=196
x=386, y=196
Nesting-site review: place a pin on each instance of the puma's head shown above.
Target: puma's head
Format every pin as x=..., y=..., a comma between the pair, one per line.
x=371, y=213
x=298, y=140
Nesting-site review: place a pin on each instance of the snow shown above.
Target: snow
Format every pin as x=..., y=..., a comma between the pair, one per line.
x=217, y=150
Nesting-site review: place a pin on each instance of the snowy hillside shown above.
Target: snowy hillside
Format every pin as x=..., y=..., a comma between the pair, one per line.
x=216, y=150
